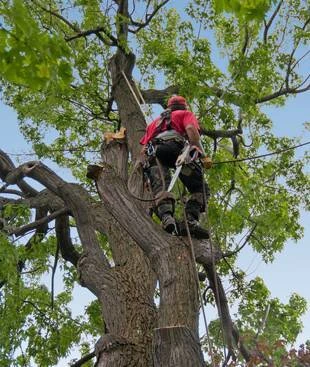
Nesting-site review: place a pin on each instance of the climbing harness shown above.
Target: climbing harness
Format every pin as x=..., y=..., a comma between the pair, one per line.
x=189, y=154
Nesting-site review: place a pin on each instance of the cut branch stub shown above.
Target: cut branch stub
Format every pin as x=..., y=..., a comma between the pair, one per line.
x=114, y=152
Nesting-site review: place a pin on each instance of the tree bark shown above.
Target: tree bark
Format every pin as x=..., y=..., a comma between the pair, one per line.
x=186, y=348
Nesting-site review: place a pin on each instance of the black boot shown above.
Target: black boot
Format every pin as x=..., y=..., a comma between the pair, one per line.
x=169, y=223
x=194, y=228
x=164, y=211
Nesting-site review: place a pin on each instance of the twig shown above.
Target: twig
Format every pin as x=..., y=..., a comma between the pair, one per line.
x=83, y=360
x=231, y=253
x=53, y=274
x=148, y=18
x=96, y=31
x=271, y=20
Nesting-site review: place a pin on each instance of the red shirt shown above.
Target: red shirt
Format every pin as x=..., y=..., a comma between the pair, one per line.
x=180, y=119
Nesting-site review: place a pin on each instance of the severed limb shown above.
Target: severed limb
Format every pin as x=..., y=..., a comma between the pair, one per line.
x=231, y=333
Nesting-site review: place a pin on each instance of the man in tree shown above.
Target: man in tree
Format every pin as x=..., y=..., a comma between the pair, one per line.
x=163, y=142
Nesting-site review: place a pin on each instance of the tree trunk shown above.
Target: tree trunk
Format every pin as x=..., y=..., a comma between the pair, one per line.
x=186, y=348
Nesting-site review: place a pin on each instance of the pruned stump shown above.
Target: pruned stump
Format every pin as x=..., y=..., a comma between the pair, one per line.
x=176, y=346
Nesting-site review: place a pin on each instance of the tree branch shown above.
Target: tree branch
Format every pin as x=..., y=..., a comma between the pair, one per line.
x=84, y=359
x=59, y=16
x=56, y=257
x=268, y=25
x=96, y=31
x=6, y=166
x=282, y=92
x=231, y=332
x=221, y=133
x=28, y=227
x=231, y=253
x=148, y=18
x=68, y=252
x=289, y=65
x=76, y=199
x=246, y=40
x=155, y=96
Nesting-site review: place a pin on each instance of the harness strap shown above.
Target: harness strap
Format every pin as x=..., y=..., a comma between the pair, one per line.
x=165, y=117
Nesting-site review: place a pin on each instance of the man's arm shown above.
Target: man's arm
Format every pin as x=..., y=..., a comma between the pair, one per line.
x=194, y=138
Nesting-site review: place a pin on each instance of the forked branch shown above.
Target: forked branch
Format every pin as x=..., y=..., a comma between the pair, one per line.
x=148, y=18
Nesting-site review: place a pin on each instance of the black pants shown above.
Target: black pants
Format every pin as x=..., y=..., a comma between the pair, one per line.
x=191, y=176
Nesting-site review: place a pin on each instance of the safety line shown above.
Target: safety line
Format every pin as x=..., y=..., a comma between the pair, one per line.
x=212, y=260
x=197, y=282
x=263, y=155
x=134, y=94
x=214, y=163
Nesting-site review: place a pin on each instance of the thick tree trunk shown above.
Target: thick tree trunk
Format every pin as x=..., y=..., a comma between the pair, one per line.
x=186, y=348
x=170, y=258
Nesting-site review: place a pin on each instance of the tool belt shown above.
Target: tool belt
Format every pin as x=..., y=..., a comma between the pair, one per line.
x=168, y=135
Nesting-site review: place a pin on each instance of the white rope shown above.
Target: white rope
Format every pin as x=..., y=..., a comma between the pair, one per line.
x=197, y=281
x=134, y=94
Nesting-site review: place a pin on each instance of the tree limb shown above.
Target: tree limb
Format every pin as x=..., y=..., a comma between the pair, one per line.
x=56, y=257
x=57, y=15
x=231, y=253
x=155, y=96
x=268, y=25
x=28, y=227
x=6, y=166
x=280, y=93
x=148, y=18
x=67, y=249
x=289, y=65
x=231, y=332
x=83, y=360
x=246, y=40
x=97, y=32
x=76, y=198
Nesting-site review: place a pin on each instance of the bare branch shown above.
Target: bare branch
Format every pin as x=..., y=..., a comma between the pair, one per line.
x=97, y=32
x=304, y=82
x=68, y=252
x=77, y=200
x=53, y=275
x=83, y=360
x=268, y=25
x=231, y=332
x=221, y=133
x=155, y=96
x=280, y=93
x=231, y=253
x=6, y=166
x=148, y=19
x=59, y=16
x=289, y=65
x=74, y=27
x=28, y=227
x=298, y=61
x=246, y=40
